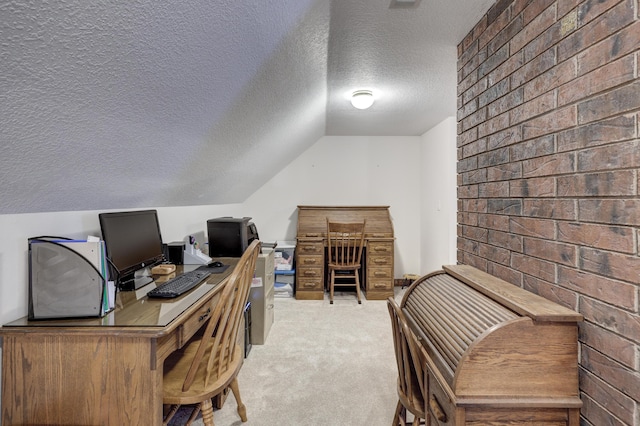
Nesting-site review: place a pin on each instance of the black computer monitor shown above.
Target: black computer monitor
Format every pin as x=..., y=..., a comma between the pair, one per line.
x=133, y=243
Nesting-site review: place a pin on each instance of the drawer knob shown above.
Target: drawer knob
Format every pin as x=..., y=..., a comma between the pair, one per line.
x=437, y=410
x=205, y=315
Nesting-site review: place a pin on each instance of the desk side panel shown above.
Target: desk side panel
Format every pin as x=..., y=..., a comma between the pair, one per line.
x=66, y=380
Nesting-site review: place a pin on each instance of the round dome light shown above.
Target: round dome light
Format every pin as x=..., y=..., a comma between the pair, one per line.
x=362, y=99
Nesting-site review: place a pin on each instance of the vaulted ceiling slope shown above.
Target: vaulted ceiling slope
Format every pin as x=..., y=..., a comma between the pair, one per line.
x=108, y=104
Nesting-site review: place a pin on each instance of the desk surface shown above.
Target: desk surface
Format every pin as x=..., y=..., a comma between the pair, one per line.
x=135, y=309
x=101, y=370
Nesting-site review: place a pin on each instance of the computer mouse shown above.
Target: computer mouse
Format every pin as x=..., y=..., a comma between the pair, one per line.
x=216, y=264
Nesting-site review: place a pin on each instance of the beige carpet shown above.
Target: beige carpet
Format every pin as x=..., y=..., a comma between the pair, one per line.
x=322, y=364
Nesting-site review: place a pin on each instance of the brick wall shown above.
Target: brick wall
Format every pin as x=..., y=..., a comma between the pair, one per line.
x=548, y=174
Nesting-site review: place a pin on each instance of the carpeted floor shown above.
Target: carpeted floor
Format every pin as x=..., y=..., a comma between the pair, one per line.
x=322, y=364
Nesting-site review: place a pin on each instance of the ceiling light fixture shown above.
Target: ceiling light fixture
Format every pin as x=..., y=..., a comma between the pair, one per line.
x=362, y=99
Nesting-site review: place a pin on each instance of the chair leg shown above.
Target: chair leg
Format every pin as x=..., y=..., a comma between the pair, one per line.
x=207, y=412
x=396, y=416
x=172, y=411
x=242, y=410
x=357, y=285
x=332, y=280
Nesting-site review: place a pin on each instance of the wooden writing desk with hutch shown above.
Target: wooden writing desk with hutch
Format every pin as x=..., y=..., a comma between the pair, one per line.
x=377, y=267
x=100, y=371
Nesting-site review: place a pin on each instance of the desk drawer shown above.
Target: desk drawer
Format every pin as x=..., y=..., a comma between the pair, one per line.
x=377, y=248
x=380, y=261
x=305, y=260
x=310, y=248
x=194, y=322
x=440, y=408
x=310, y=284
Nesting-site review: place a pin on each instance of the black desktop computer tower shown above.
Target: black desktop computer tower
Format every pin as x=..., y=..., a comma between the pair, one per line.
x=229, y=236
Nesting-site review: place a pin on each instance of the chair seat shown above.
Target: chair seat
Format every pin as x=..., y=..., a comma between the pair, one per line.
x=175, y=370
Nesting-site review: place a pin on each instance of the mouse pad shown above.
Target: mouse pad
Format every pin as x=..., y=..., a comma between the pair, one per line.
x=213, y=270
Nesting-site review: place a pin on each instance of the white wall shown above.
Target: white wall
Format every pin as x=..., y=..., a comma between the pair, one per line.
x=438, y=198
x=348, y=170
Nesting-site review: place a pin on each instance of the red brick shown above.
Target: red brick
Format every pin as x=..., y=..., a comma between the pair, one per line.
x=504, y=138
x=507, y=68
x=611, y=211
x=549, y=291
x=541, y=43
x=590, y=10
x=553, y=78
x=615, y=46
x=493, y=157
x=538, y=7
x=596, y=414
x=474, y=233
x=474, y=176
x=493, y=60
x=475, y=90
x=474, y=148
x=528, y=265
x=505, y=240
x=505, y=103
x=614, y=102
x=613, y=156
x=468, y=109
x=493, y=190
x=508, y=206
x=505, y=273
x=495, y=24
x=504, y=172
x=598, y=29
x=610, y=344
x=534, y=68
x=533, y=148
x=611, y=318
x=613, y=265
x=620, y=377
x=606, y=77
x=467, y=137
x=565, y=6
x=496, y=254
x=618, y=183
x=475, y=205
x=468, y=53
x=468, y=191
x=474, y=119
x=557, y=120
x=559, y=253
x=601, y=132
x=610, y=399
x=617, y=293
x=493, y=125
x=533, y=187
x=533, y=227
x=538, y=106
x=493, y=221
x=549, y=165
x=538, y=21
x=600, y=236
x=550, y=208
x=505, y=35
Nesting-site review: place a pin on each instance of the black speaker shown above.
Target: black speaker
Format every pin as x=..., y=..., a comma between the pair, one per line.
x=176, y=252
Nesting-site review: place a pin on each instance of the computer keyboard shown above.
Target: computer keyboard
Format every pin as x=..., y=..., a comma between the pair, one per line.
x=179, y=285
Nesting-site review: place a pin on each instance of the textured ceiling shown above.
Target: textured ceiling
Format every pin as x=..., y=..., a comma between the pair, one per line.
x=143, y=103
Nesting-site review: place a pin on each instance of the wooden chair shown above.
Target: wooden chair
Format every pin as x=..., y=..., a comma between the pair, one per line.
x=410, y=370
x=345, y=243
x=210, y=363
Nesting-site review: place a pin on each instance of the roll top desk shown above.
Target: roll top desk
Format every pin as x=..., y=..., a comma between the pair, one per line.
x=494, y=353
x=377, y=266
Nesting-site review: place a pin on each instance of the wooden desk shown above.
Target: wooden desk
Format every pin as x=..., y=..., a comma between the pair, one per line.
x=102, y=371
x=311, y=243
